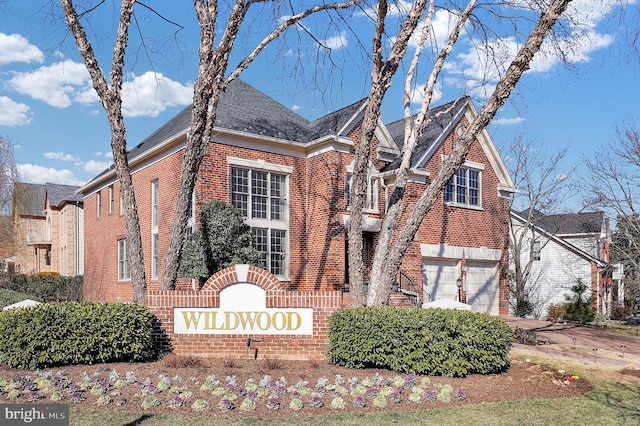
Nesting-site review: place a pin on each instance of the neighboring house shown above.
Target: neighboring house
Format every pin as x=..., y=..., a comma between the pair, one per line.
x=568, y=248
x=290, y=178
x=49, y=229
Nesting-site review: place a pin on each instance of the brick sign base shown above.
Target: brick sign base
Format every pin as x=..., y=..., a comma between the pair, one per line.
x=236, y=329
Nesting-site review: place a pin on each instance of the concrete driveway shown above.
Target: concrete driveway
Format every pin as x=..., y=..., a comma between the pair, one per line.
x=564, y=334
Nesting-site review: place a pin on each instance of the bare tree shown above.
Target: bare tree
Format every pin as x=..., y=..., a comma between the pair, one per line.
x=8, y=174
x=214, y=75
x=393, y=244
x=8, y=177
x=543, y=190
x=614, y=173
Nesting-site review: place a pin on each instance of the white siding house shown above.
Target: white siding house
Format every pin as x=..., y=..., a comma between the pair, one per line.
x=570, y=248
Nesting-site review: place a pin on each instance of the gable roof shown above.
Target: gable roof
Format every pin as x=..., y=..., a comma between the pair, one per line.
x=440, y=121
x=28, y=199
x=246, y=111
x=569, y=223
x=558, y=239
x=57, y=194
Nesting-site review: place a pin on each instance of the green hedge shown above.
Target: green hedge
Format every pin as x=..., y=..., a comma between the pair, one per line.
x=45, y=286
x=438, y=342
x=55, y=334
x=9, y=297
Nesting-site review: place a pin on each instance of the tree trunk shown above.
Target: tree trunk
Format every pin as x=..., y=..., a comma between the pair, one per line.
x=111, y=99
x=209, y=86
x=386, y=268
x=381, y=81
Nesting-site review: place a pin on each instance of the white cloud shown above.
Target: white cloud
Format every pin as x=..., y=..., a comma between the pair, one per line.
x=417, y=95
x=508, y=121
x=13, y=113
x=107, y=154
x=32, y=173
x=481, y=65
x=575, y=50
x=336, y=42
x=54, y=84
x=295, y=108
x=398, y=8
x=15, y=48
x=151, y=93
x=95, y=167
x=60, y=156
x=441, y=25
x=66, y=82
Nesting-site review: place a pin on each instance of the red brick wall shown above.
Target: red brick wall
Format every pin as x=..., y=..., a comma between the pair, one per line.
x=324, y=303
x=459, y=226
x=317, y=202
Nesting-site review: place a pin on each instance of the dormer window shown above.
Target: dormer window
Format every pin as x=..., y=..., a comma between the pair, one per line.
x=373, y=189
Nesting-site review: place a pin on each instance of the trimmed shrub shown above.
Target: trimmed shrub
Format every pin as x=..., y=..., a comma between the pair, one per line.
x=45, y=286
x=9, y=297
x=437, y=342
x=55, y=334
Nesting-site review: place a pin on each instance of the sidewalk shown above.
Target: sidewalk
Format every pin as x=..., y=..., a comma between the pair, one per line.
x=564, y=334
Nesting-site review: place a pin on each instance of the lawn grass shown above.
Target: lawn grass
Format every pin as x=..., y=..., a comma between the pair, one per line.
x=609, y=403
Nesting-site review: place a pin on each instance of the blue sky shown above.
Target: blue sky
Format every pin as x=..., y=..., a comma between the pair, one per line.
x=51, y=114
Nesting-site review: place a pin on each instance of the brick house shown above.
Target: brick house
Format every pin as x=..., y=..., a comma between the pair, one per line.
x=568, y=248
x=48, y=225
x=290, y=177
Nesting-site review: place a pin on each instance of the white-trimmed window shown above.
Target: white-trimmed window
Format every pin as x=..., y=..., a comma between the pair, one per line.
x=373, y=188
x=124, y=272
x=464, y=188
x=261, y=196
x=154, y=229
x=191, y=220
x=99, y=211
x=537, y=250
x=111, y=199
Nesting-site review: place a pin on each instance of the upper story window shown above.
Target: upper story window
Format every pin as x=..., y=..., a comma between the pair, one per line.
x=464, y=188
x=537, y=250
x=258, y=194
x=99, y=211
x=373, y=188
x=111, y=199
x=261, y=196
x=154, y=205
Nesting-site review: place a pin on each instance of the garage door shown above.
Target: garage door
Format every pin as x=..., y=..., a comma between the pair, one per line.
x=482, y=287
x=440, y=278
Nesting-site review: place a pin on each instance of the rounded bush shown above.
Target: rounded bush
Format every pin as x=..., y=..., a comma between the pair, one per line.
x=55, y=334
x=434, y=342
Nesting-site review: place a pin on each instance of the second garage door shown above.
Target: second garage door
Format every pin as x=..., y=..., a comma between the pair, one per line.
x=481, y=286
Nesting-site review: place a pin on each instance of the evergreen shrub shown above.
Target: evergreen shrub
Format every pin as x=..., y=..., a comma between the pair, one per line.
x=9, y=297
x=45, y=286
x=580, y=307
x=54, y=334
x=437, y=342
